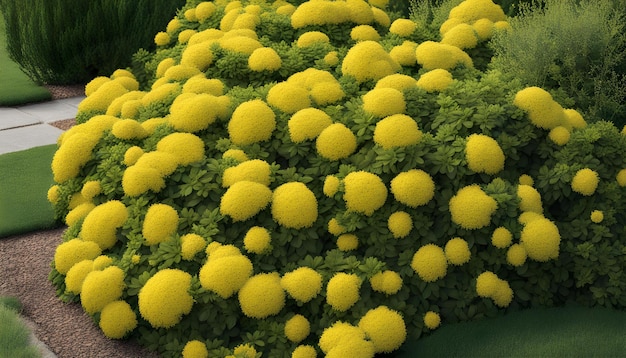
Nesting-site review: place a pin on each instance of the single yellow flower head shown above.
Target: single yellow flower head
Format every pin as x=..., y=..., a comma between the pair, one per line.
x=541, y=239
x=343, y=340
x=181, y=73
x=78, y=213
x=430, y=263
x=335, y=228
x=101, y=288
x=483, y=28
x=138, y=180
x=199, y=84
x=160, y=223
x=204, y=10
x=53, y=194
x=621, y=177
x=385, y=328
x=526, y=179
x=312, y=37
x=197, y=56
x=191, y=244
x=288, y=97
x=435, y=80
x=530, y=199
x=251, y=122
x=237, y=154
x=432, y=320
x=117, y=319
x=187, y=148
x=72, y=252
x=470, y=11
x=336, y=142
x=196, y=113
x=331, y=185
x=164, y=298
x=94, y=84
x=404, y=54
x=403, y=27
x=297, y=328
x=302, y=284
x=225, y=275
x=101, y=262
x=597, y=216
x=294, y=205
x=332, y=58
x=368, y=60
x=400, y=224
x=327, y=92
x=413, y=188
x=162, y=39
x=501, y=237
x=432, y=55
x=381, y=17
x=76, y=276
x=195, y=348
x=304, y=351
x=387, y=282
x=102, y=222
x=255, y=170
x=559, y=135
x=471, y=208
x=397, y=130
x=266, y=285
x=347, y=242
x=342, y=291
x=257, y=240
x=457, y=251
x=307, y=124
x=364, y=33
x=528, y=216
x=397, y=81
x=503, y=295
x=516, y=255
x=585, y=182
x=244, y=199
x=128, y=129
x=487, y=284
x=240, y=44
x=574, y=118
x=483, y=154
x=462, y=36
x=264, y=59
x=382, y=102
x=364, y=192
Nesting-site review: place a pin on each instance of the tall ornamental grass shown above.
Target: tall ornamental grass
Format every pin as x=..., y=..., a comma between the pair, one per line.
x=72, y=41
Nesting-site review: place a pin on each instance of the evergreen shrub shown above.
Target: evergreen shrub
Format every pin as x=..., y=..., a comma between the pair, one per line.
x=328, y=179
x=73, y=41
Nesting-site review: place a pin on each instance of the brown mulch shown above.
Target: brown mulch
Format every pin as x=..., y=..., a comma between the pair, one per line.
x=24, y=266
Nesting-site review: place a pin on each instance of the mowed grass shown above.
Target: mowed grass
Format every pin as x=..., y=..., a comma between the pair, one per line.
x=25, y=178
x=16, y=88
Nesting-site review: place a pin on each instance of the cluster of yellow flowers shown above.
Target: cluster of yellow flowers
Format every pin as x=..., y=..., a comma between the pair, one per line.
x=225, y=271
x=304, y=88
x=489, y=285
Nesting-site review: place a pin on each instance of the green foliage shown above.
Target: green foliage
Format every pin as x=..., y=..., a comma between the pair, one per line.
x=14, y=335
x=583, y=57
x=477, y=111
x=52, y=47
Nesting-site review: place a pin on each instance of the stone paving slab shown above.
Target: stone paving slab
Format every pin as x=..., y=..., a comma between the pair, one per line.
x=12, y=118
x=53, y=110
x=23, y=138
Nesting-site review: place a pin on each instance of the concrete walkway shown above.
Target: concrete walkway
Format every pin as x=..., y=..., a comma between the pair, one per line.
x=28, y=126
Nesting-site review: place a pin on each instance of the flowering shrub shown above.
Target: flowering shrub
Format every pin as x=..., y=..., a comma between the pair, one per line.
x=340, y=200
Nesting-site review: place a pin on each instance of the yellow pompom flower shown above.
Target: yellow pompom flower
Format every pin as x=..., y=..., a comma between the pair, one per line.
x=197, y=112
x=342, y=291
x=331, y=185
x=164, y=163
x=516, y=255
x=397, y=81
x=413, y=188
x=244, y=199
x=162, y=38
x=432, y=55
x=190, y=15
x=160, y=223
x=241, y=44
x=185, y=35
x=501, y=237
x=302, y=284
x=72, y=252
x=542, y=110
x=387, y=282
x=335, y=228
x=483, y=154
x=294, y=205
x=503, y=295
x=502, y=26
x=164, y=298
x=483, y=28
x=400, y=224
x=430, y=263
x=186, y=147
x=190, y=245
x=117, y=319
x=403, y=27
x=53, y=194
x=223, y=251
x=307, y=124
x=541, y=239
x=94, y=84
x=101, y=288
x=255, y=170
x=336, y=142
x=469, y=11
x=251, y=122
x=471, y=208
x=312, y=37
x=199, y=84
x=368, y=60
x=264, y=59
x=304, y=351
x=102, y=222
x=76, y=276
x=385, y=328
x=331, y=58
x=559, y=135
x=204, y=10
x=138, y=180
x=237, y=154
x=462, y=36
x=334, y=335
x=225, y=275
x=526, y=179
x=101, y=262
x=432, y=320
x=128, y=129
x=78, y=213
x=397, y=130
x=327, y=92
x=347, y=242
x=115, y=108
x=257, y=240
x=530, y=199
x=383, y=102
x=574, y=118
x=245, y=351
x=585, y=182
x=621, y=177
x=404, y=54
x=435, y=80
x=364, y=192
x=195, y=348
x=75, y=151
x=198, y=56
x=288, y=97
x=91, y=189
x=457, y=251
x=364, y=33
x=597, y=216
x=266, y=285
x=163, y=66
x=297, y=328
x=528, y=216
x=487, y=284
